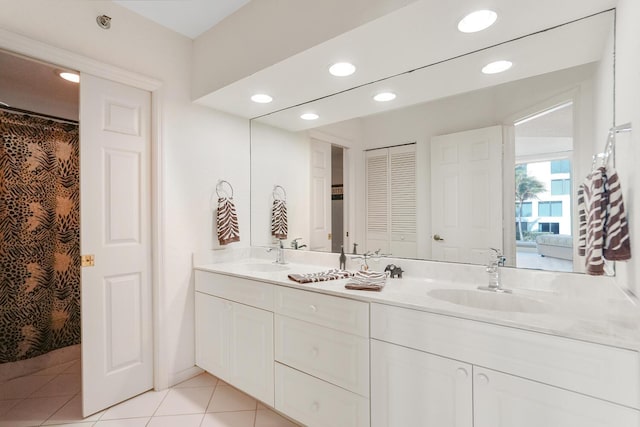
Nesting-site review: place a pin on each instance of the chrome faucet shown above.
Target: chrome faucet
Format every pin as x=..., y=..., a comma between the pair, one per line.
x=279, y=253
x=295, y=245
x=493, y=269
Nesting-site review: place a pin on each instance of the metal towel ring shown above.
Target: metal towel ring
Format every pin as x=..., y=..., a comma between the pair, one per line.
x=277, y=196
x=219, y=188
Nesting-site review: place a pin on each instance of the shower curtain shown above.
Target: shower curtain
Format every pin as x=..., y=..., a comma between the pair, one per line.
x=39, y=236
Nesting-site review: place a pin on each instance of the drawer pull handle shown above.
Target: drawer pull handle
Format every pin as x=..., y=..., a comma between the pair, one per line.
x=315, y=352
x=313, y=308
x=462, y=373
x=315, y=407
x=482, y=379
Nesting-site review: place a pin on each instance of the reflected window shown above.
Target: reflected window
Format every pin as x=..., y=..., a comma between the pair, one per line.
x=560, y=187
x=527, y=209
x=549, y=209
x=549, y=227
x=561, y=166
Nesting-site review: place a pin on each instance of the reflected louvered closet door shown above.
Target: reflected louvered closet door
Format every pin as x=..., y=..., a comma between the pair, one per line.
x=391, y=200
x=402, y=177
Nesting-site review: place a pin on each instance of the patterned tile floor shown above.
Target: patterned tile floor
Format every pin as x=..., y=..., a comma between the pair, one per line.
x=52, y=397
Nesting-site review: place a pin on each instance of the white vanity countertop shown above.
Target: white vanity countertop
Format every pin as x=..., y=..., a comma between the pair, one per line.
x=610, y=321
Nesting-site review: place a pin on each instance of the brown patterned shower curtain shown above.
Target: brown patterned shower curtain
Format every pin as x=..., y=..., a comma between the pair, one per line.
x=39, y=236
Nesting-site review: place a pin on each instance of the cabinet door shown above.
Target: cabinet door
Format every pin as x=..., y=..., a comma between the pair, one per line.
x=252, y=352
x=412, y=388
x=502, y=400
x=213, y=328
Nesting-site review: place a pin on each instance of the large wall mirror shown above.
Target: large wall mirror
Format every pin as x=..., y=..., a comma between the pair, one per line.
x=457, y=163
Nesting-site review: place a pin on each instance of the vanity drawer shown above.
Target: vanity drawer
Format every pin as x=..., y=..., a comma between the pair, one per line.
x=333, y=312
x=601, y=371
x=245, y=291
x=339, y=358
x=317, y=403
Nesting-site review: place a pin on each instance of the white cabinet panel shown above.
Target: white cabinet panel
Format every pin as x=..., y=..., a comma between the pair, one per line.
x=334, y=356
x=235, y=343
x=213, y=332
x=245, y=291
x=317, y=403
x=502, y=400
x=412, y=388
x=605, y=372
x=333, y=312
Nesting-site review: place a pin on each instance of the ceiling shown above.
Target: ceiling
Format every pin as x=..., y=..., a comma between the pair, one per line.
x=187, y=17
x=31, y=85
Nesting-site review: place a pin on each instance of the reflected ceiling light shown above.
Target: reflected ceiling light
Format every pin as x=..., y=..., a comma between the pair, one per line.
x=477, y=21
x=261, y=98
x=385, y=96
x=342, y=69
x=69, y=76
x=497, y=67
x=309, y=116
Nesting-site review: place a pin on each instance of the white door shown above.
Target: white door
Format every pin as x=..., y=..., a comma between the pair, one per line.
x=412, y=388
x=466, y=195
x=501, y=400
x=320, y=196
x=117, y=358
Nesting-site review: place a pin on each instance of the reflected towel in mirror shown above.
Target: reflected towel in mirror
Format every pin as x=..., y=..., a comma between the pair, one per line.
x=279, y=227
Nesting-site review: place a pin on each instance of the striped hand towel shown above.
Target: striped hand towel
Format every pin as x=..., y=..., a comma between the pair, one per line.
x=617, y=246
x=333, y=274
x=279, y=227
x=368, y=281
x=595, y=202
x=227, y=221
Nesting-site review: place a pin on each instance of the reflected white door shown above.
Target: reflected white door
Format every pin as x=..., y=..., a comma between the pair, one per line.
x=115, y=227
x=466, y=195
x=320, y=196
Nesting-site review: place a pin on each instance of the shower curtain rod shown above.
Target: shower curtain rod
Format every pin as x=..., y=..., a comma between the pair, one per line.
x=40, y=115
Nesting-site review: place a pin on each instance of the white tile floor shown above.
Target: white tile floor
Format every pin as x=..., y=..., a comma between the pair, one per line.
x=52, y=397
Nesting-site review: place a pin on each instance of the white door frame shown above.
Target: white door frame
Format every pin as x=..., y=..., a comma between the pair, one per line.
x=41, y=51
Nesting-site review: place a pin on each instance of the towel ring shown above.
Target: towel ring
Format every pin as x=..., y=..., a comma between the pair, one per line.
x=277, y=195
x=219, y=187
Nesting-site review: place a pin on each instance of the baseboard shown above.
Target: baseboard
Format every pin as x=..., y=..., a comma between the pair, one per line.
x=178, y=377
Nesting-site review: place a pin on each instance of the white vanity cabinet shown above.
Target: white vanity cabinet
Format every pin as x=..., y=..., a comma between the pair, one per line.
x=414, y=388
x=322, y=358
x=234, y=338
x=494, y=376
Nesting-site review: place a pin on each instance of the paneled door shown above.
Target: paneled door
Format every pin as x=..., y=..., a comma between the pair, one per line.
x=466, y=195
x=320, y=196
x=117, y=357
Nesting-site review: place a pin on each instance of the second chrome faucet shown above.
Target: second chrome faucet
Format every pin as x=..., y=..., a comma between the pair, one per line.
x=496, y=261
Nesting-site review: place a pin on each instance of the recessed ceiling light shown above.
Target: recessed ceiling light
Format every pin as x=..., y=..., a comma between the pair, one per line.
x=72, y=77
x=309, y=116
x=477, y=21
x=342, y=69
x=497, y=67
x=385, y=96
x=261, y=98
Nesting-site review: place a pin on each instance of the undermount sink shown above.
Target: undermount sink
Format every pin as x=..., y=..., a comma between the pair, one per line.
x=490, y=300
x=265, y=267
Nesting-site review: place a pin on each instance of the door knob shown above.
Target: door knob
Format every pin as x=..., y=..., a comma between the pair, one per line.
x=437, y=238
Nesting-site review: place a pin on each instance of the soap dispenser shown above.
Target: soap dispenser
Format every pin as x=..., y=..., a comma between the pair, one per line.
x=343, y=258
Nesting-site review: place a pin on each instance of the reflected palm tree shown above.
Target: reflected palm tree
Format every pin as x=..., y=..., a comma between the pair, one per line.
x=527, y=188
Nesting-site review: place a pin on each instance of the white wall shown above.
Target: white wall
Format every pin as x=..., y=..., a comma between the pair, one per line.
x=628, y=145
x=198, y=146
x=279, y=157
